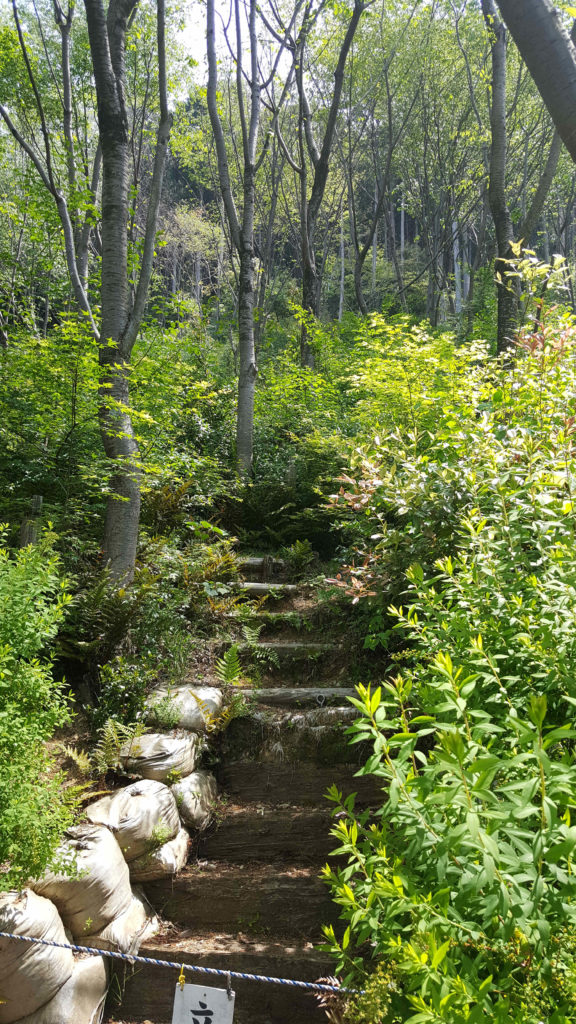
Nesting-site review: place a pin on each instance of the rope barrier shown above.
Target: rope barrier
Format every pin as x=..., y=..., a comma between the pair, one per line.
x=214, y=971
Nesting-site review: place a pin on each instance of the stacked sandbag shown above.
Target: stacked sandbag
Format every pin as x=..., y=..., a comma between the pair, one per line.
x=30, y=974
x=161, y=863
x=80, y=1000
x=126, y=933
x=197, y=706
x=195, y=796
x=99, y=889
x=141, y=816
x=161, y=756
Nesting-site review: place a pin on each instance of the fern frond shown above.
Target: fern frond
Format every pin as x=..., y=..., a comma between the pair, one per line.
x=80, y=758
x=225, y=604
x=228, y=668
x=236, y=707
x=252, y=634
x=112, y=737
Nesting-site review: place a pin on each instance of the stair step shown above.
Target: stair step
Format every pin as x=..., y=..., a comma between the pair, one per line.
x=288, y=736
x=298, y=658
x=263, y=833
x=304, y=782
x=287, y=900
x=277, y=590
x=261, y=566
x=147, y=993
x=299, y=648
x=300, y=697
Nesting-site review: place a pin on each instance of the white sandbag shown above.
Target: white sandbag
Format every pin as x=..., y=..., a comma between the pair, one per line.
x=141, y=816
x=195, y=705
x=81, y=1000
x=30, y=974
x=161, y=755
x=127, y=932
x=165, y=861
x=195, y=796
x=99, y=891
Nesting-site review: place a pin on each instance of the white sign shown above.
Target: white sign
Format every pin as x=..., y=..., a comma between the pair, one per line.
x=194, y=1004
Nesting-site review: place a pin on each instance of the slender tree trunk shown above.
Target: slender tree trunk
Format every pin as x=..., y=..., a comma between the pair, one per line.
x=198, y=279
x=390, y=213
x=505, y=280
x=402, y=230
x=546, y=240
x=247, y=371
x=466, y=270
x=457, y=269
x=343, y=269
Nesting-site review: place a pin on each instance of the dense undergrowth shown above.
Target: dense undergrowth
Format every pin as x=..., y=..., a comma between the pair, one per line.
x=115, y=643
x=460, y=890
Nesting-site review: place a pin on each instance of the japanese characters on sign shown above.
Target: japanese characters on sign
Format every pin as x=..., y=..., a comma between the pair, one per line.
x=194, y=1004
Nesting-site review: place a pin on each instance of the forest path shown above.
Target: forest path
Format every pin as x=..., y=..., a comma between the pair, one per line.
x=252, y=900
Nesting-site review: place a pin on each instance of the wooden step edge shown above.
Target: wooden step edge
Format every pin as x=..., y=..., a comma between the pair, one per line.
x=297, y=649
x=192, y=942
x=276, y=589
x=146, y=993
x=300, y=696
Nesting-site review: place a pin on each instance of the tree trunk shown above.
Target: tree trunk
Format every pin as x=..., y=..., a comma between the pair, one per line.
x=457, y=269
x=402, y=229
x=123, y=505
x=343, y=271
x=241, y=226
x=247, y=370
x=121, y=317
x=550, y=56
x=31, y=525
x=507, y=292
x=311, y=303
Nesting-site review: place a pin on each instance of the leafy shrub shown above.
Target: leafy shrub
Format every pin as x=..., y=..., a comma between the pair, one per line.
x=122, y=687
x=163, y=714
x=460, y=887
x=462, y=884
x=502, y=442
x=35, y=806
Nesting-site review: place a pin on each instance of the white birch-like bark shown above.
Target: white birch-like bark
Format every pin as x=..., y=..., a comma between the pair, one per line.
x=457, y=268
x=342, y=267
x=402, y=230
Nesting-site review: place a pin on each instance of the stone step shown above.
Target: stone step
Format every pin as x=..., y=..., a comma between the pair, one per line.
x=276, y=590
x=283, y=900
x=279, y=735
x=298, y=649
x=312, y=619
x=300, y=696
x=147, y=993
x=297, y=659
x=264, y=833
x=261, y=567
x=305, y=782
